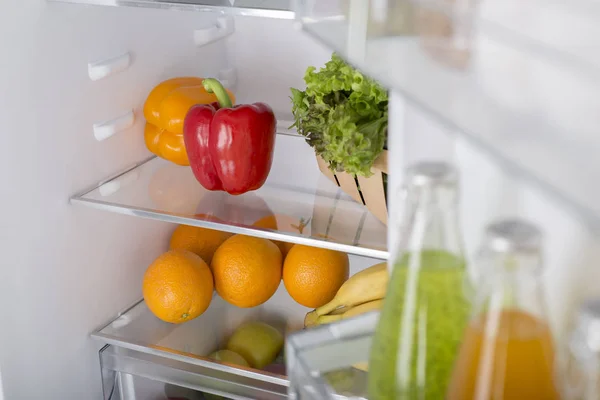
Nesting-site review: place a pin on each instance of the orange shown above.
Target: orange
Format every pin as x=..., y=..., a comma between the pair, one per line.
x=312, y=276
x=178, y=286
x=201, y=241
x=247, y=270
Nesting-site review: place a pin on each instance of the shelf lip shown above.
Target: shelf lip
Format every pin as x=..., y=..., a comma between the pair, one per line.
x=236, y=229
x=197, y=361
x=225, y=381
x=184, y=6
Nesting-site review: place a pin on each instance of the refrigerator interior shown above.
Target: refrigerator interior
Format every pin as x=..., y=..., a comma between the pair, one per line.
x=68, y=270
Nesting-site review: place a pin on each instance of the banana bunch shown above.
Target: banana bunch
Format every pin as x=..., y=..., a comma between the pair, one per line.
x=362, y=293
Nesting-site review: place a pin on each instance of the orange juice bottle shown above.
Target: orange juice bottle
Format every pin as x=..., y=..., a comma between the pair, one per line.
x=507, y=349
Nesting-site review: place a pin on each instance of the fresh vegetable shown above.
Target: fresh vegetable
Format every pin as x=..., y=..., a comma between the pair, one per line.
x=343, y=115
x=229, y=148
x=165, y=110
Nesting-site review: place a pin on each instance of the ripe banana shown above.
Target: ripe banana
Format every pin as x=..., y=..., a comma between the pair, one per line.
x=352, y=312
x=367, y=285
x=312, y=318
x=363, y=366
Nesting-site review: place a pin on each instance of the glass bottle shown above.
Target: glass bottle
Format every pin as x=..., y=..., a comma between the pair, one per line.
x=507, y=350
x=425, y=308
x=581, y=373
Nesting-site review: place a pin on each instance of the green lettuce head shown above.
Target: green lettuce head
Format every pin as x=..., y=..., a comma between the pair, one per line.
x=343, y=115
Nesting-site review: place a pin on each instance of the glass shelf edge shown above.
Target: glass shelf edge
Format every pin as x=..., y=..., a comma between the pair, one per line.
x=174, y=5
x=265, y=234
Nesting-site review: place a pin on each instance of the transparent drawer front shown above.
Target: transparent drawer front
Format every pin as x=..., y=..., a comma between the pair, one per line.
x=330, y=361
x=128, y=374
x=123, y=386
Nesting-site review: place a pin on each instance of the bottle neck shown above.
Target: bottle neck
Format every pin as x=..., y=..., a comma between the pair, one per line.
x=510, y=282
x=430, y=221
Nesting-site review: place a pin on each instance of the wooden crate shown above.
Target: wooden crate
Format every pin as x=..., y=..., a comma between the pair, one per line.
x=371, y=188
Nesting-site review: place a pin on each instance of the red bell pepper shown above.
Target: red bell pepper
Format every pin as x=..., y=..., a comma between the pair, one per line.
x=230, y=147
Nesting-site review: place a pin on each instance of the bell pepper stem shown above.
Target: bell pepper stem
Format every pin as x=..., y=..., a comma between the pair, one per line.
x=214, y=86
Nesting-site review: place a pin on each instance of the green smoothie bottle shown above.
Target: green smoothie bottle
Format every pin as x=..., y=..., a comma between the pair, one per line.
x=426, y=307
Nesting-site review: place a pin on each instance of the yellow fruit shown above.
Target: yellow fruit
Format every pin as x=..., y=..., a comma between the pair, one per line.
x=257, y=342
x=351, y=312
x=312, y=275
x=363, y=366
x=313, y=319
x=367, y=285
x=201, y=241
x=230, y=357
x=178, y=286
x=247, y=270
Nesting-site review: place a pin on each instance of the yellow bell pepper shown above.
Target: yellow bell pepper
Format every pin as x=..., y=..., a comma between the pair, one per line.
x=165, y=109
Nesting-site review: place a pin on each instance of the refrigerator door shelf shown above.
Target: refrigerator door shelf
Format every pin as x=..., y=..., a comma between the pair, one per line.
x=297, y=204
x=254, y=8
x=331, y=361
x=518, y=80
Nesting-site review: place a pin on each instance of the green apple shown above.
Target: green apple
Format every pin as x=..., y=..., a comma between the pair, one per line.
x=230, y=357
x=257, y=342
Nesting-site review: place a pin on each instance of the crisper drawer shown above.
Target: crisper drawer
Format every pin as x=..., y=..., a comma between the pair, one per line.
x=141, y=345
x=133, y=375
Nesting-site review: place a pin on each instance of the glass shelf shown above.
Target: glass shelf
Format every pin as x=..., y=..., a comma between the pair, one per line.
x=257, y=8
x=520, y=80
x=329, y=361
x=307, y=207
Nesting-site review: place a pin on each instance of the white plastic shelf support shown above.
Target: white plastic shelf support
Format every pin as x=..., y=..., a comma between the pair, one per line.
x=110, y=66
x=105, y=129
x=223, y=27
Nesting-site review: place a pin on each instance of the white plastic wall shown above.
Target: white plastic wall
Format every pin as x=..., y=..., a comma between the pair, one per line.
x=66, y=270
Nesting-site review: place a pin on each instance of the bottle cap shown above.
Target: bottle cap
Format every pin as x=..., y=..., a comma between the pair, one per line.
x=512, y=235
x=426, y=173
x=588, y=324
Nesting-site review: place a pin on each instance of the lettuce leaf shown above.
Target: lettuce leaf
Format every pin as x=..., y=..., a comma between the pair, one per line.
x=343, y=115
